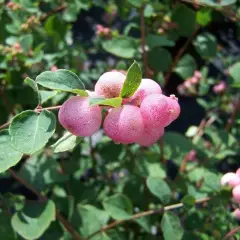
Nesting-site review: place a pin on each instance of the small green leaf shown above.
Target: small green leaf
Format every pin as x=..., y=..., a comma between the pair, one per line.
x=186, y=66
x=133, y=80
x=8, y=155
x=206, y=45
x=61, y=79
x=185, y=18
x=159, y=188
x=34, y=219
x=112, y=102
x=160, y=59
x=234, y=72
x=121, y=46
x=26, y=42
x=66, y=143
x=30, y=82
x=118, y=206
x=214, y=3
x=47, y=95
x=171, y=227
x=6, y=231
x=31, y=131
x=159, y=41
x=188, y=201
x=204, y=16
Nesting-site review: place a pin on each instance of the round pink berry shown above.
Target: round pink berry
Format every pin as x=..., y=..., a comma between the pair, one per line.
x=236, y=213
x=194, y=80
x=238, y=172
x=197, y=74
x=147, y=87
x=173, y=108
x=150, y=136
x=78, y=117
x=236, y=193
x=110, y=84
x=124, y=124
x=154, y=110
x=230, y=179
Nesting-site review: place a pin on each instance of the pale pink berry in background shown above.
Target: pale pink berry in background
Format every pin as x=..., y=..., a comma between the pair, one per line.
x=150, y=136
x=236, y=213
x=109, y=85
x=154, y=110
x=121, y=71
x=236, y=193
x=197, y=74
x=238, y=172
x=220, y=87
x=79, y=118
x=173, y=108
x=124, y=124
x=187, y=83
x=147, y=87
x=54, y=68
x=181, y=89
x=101, y=30
x=192, y=155
x=194, y=80
x=230, y=179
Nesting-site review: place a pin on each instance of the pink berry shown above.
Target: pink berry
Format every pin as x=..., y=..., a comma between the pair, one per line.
x=173, y=108
x=236, y=213
x=150, y=136
x=79, y=118
x=124, y=124
x=220, y=87
x=154, y=110
x=147, y=87
x=236, y=193
x=238, y=172
x=197, y=74
x=110, y=84
x=192, y=155
x=230, y=179
x=194, y=80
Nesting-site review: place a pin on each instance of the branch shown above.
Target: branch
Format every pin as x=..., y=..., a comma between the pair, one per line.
x=143, y=41
x=179, y=55
x=56, y=10
x=143, y=214
x=65, y=222
x=37, y=110
x=232, y=232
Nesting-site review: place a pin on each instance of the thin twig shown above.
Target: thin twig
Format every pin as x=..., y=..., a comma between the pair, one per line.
x=232, y=233
x=56, y=10
x=65, y=222
x=230, y=121
x=143, y=214
x=179, y=55
x=143, y=42
x=38, y=110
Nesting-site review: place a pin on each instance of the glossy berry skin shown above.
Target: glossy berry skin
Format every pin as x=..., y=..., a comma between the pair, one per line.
x=150, y=136
x=236, y=193
x=146, y=88
x=124, y=124
x=78, y=117
x=110, y=84
x=230, y=179
x=173, y=109
x=236, y=213
x=154, y=110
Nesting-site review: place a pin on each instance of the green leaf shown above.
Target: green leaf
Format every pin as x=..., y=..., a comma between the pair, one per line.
x=8, y=155
x=185, y=18
x=113, y=102
x=34, y=86
x=133, y=80
x=188, y=201
x=6, y=231
x=160, y=59
x=66, y=143
x=121, y=46
x=31, y=131
x=186, y=66
x=47, y=95
x=148, y=10
x=158, y=41
x=91, y=218
x=204, y=17
x=159, y=188
x=34, y=219
x=118, y=206
x=171, y=227
x=61, y=79
x=206, y=45
x=136, y=3
x=26, y=42
x=214, y=3
x=234, y=72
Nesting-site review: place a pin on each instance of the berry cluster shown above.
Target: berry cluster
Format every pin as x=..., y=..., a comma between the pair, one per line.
x=140, y=119
x=233, y=180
